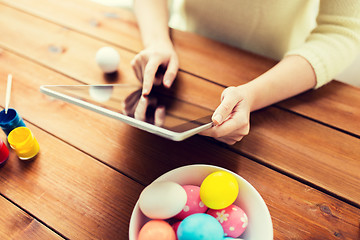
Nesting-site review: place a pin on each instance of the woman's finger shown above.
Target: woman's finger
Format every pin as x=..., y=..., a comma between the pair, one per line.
x=171, y=72
x=227, y=105
x=140, y=110
x=149, y=75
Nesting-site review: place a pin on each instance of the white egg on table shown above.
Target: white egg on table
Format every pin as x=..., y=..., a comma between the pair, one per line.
x=108, y=59
x=162, y=200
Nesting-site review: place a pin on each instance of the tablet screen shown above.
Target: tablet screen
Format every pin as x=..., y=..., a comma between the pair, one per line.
x=160, y=108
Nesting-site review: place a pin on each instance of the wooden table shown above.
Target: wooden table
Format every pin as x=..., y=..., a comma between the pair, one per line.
x=302, y=155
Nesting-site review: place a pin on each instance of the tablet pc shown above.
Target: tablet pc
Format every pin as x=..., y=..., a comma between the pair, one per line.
x=160, y=112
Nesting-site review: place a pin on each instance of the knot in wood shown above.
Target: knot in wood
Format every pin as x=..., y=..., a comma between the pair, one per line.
x=325, y=209
x=55, y=49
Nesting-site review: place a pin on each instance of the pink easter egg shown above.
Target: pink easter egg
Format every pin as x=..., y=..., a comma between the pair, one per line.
x=233, y=220
x=175, y=226
x=193, y=203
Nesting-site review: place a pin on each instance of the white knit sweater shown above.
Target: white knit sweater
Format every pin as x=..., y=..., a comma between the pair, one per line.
x=325, y=32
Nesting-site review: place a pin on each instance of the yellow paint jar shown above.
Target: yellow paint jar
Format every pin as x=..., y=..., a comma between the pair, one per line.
x=24, y=143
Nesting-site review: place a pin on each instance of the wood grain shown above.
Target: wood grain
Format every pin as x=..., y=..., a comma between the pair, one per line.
x=204, y=93
x=74, y=194
x=194, y=51
x=294, y=207
x=101, y=22
x=77, y=60
x=16, y=224
x=307, y=150
x=336, y=104
x=82, y=152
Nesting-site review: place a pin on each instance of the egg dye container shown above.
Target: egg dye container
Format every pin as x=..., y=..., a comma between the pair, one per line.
x=10, y=120
x=24, y=143
x=4, y=153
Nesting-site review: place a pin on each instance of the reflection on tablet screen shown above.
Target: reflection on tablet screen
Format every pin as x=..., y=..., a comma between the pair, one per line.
x=160, y=107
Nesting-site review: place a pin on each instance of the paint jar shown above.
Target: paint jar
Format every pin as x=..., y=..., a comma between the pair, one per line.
x=4, y=153
x=24, y=143
x=10, y=120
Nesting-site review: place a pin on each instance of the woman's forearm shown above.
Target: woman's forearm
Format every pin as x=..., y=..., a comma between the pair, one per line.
x=152, y=17
x=291, y=76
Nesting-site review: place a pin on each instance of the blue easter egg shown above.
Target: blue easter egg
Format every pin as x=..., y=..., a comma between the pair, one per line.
x=200, y=226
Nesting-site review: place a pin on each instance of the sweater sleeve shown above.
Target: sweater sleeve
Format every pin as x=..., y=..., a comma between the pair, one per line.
x=335, y=41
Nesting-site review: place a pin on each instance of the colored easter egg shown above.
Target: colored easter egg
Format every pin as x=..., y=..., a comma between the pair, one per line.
x=200, y=226
x=175, y=226
x=162, y=200
x=4, y=153
x=157, y=230
x=193, y=204
x=219, y=190
x=233, y=220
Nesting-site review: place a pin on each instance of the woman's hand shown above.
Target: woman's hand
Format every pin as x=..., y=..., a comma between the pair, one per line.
x=231, y=118
x=291, y=76
x=155, y=65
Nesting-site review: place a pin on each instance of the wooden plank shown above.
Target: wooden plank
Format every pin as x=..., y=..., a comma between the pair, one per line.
x=299, y=144
x=85, y=16
x=121, y=29
x=77, y=59
x=237, y=66
x=336, y=104
x=56, y=46
x=16, y=224
x=68, y=190
x=295, y=207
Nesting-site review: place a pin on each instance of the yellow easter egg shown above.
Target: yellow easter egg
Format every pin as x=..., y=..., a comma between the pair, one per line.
x=219, y=190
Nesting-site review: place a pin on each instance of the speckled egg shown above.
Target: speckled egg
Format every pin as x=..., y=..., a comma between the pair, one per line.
x=233, y=220
x=193, y=203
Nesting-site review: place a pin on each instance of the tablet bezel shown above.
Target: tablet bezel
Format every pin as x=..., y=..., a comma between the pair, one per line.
x=157, y=130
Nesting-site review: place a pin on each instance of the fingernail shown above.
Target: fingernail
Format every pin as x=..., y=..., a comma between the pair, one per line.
x=167, y=82
x=217, y=118
x=144, y=91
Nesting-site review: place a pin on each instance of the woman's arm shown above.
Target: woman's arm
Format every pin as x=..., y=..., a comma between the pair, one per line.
x=329, y=49
x=289, y=77
x=152, y=16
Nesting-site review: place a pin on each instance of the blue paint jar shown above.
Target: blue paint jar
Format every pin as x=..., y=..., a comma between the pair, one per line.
x=10, y=120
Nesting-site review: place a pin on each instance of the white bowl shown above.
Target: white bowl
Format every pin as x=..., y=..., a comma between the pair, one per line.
x=260, y=225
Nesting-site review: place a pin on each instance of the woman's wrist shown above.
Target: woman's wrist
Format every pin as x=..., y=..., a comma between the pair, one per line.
x=159, y=43
x=248, y=91
x=291, y=76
